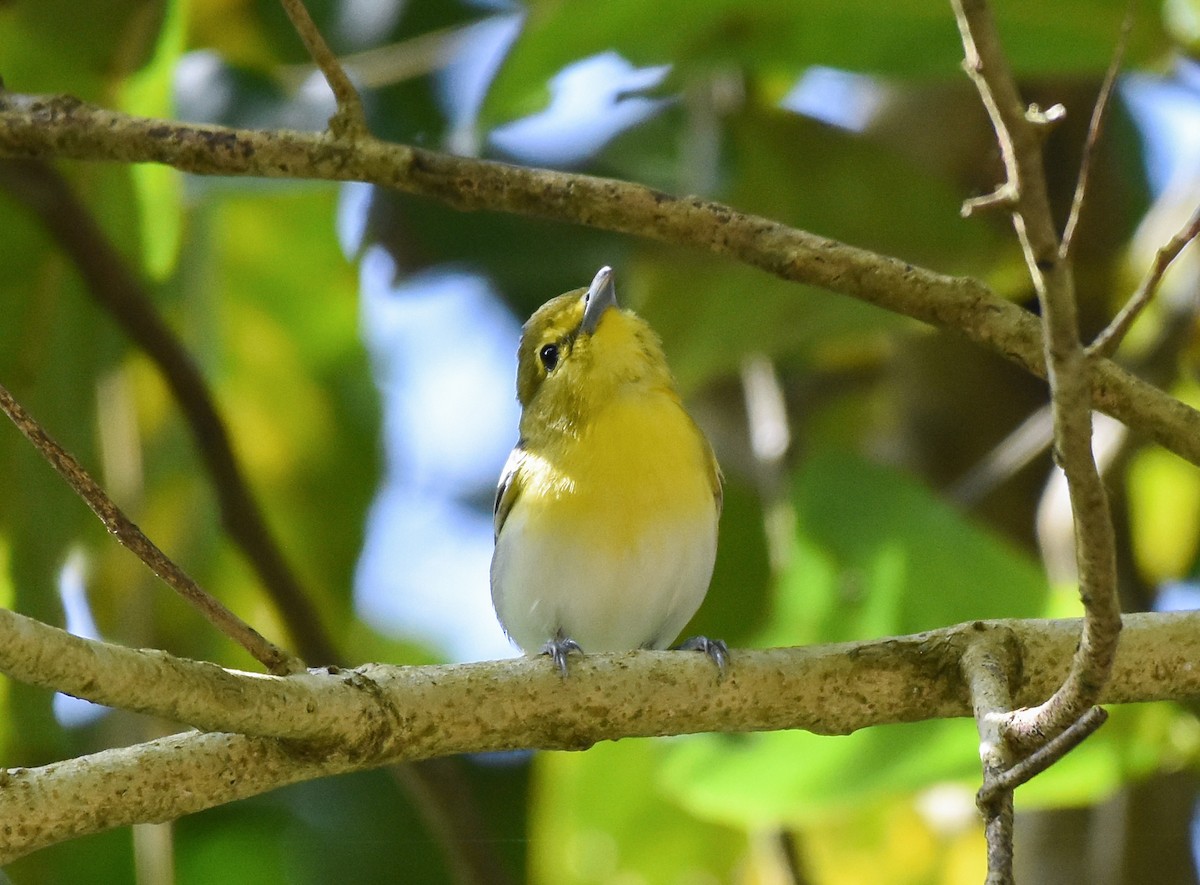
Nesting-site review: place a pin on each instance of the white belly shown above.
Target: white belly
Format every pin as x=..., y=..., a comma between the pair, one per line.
x=605, y=597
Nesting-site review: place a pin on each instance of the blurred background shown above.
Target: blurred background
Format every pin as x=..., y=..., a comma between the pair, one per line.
x=359, y=345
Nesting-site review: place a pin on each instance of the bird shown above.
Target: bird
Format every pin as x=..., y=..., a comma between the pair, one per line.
x=607, y=508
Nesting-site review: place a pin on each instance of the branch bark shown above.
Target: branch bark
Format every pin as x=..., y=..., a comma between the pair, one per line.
x=51, y=127
x=310, y=725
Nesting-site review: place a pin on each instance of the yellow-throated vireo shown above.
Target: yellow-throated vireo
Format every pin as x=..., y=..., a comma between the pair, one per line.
x=606, y=513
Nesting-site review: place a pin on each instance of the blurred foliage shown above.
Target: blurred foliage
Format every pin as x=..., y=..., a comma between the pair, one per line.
x=855, y=532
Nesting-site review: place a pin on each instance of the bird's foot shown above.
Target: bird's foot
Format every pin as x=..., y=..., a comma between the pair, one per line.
x=558, y=648
x=716, y=650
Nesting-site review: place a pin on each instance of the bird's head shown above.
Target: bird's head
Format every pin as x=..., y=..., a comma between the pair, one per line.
x=579, y=350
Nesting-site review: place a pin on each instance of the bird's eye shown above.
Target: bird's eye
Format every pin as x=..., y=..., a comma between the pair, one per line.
x=549, y=356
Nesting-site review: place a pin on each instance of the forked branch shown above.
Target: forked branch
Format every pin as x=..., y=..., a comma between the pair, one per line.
x=350, y=121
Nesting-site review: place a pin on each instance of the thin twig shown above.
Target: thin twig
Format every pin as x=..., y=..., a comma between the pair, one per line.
x=1095, y=130
x=1068, y=372
x=275, y=659
x=407, y=59
x=1114, y=333
x=115, y=287
x=1009, y=456
x=1043, y=757
x=983, y=668
x=350, y=121
x=1003, y=197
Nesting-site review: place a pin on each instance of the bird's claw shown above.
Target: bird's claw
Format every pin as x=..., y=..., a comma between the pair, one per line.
x=558, y=648
x=715, y=649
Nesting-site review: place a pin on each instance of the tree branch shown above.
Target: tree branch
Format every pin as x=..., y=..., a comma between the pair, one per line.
x=1068, y=374
x=1043, y=757
x=1095, y=130
x=316, y=724
x=1114, y=333
x=132, y=538
x=49, y=127
x=349, y=122
x=118, y=290
x=984, y=667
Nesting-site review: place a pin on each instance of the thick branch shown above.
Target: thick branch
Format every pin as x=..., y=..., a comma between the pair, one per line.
x=50, y=127
x=351, y=720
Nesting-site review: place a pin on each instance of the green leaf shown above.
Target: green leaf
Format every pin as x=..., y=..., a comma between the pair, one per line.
x=738, y=596
x=877, y=554
x=53, y=346
x=597, y=817
x=159, y=188
x=1164, y=514
x=712, y=313
x=292, y=375
x=106, y=856
x=81, y=48
x=795, y=778
x=792, y=777
x=904, y=39
x=1183, y=22
x=793, y=169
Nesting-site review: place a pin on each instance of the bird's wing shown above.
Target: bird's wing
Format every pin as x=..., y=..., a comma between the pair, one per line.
x=717, y=479
x=507, y=489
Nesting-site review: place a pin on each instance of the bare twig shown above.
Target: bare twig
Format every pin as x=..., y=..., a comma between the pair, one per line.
x=1043, y=757
x=275, y=659
x=1003, y=197
x=1068, y=374
x=59, y=126
x=1114, y=333
x=1095, y=130
x=985, y=672
x=349, y=122
x=1009, y=456
x=114, y=285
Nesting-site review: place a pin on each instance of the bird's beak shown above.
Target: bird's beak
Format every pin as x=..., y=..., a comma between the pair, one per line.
x=601, y=295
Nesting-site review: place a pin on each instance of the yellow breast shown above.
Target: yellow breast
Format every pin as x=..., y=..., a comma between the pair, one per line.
x=640, y=462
